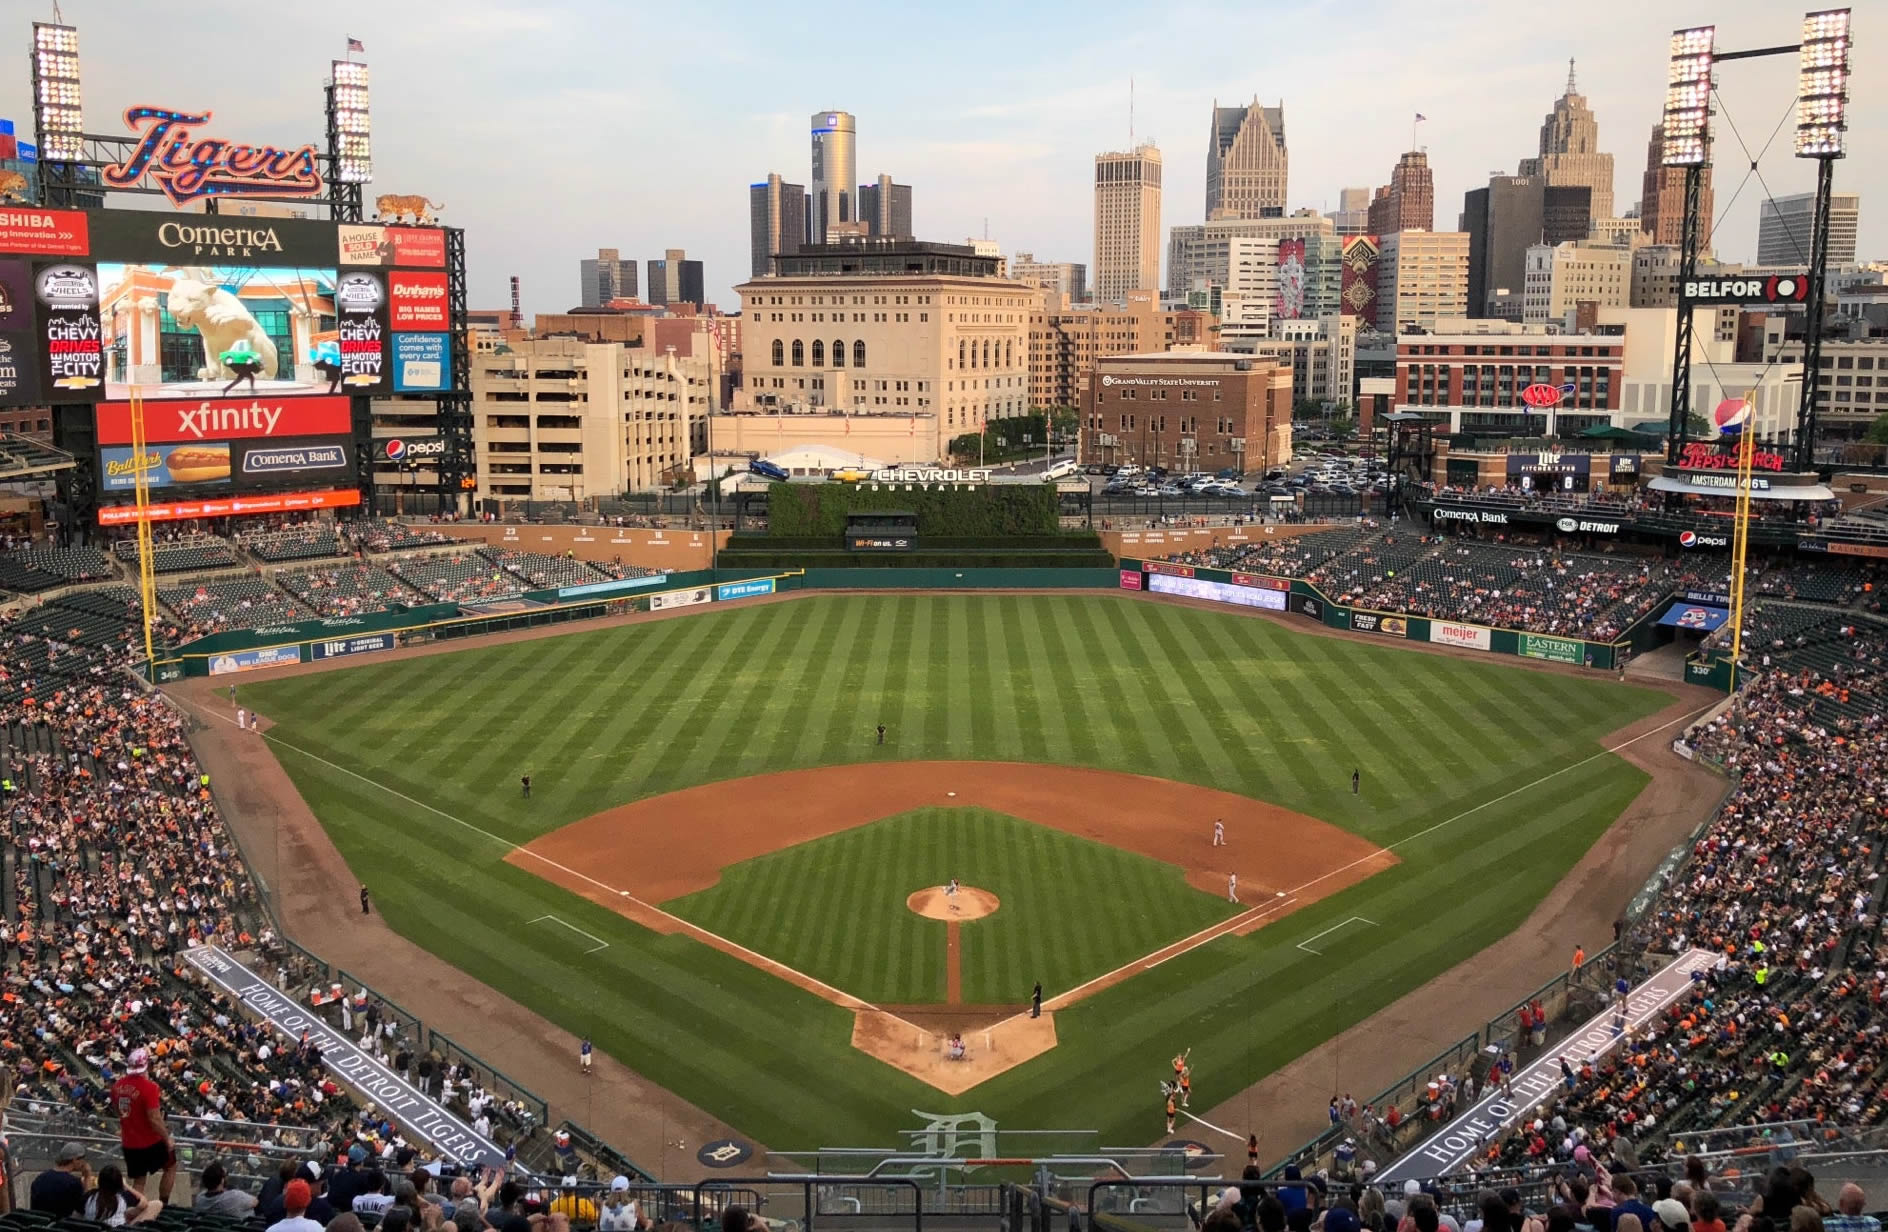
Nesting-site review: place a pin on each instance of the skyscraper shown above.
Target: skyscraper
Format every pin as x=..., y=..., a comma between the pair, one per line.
x=605, y=278
x=1409, y=204
x=776, y=212
x=835, y=158
x=1246, y=162
x=1127, y=223
x=1352, y=215
x=885, y=207
x=1570, y=149
x=1503, y=221
x=1662, y=198
x=675, y=279
x=1783, y=228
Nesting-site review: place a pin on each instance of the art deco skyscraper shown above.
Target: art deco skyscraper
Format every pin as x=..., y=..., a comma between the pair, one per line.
x=1570, y=149
x=1246, y=162
x=1127, y=223
x=1662, y=198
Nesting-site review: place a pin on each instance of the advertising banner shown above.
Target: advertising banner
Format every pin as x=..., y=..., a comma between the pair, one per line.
x=160, y=239
x=679, y=598
x=367, y=644
x=231, y=464
x=743, y=590
x=34, y=232
x=1468, y=1136
x=1702, y=539
x=271, y=464
x=225, y=419
x=1130, y=579
x=16, y=297
x=594, y=589
x=1587, y=526
x=1480, y=517
x=423, y=1118
x=421, y=362
x=251, y=660
x=360, y=324
x=1310, y=605
x=1263, y=583
x=1714, y=597
x=1549, y=463
x=228, y=327
x=1625, y=465
x=72, y=363
x=419, y=300
x=19, y=364
x=386, y=246
x=230, y=506
x=1474, y=637
x=1371, y=622
x=410, y=449
x=1167, y=567
x=1697, y=617
x=1220, y=592
x=1554, y=649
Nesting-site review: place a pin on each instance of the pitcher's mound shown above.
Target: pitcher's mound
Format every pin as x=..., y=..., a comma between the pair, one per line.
x=969, y=903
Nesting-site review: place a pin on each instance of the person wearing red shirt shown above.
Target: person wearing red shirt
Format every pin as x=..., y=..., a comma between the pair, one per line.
x=141, y=1129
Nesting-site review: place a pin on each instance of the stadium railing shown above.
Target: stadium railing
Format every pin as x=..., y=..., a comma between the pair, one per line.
x=251, y=1152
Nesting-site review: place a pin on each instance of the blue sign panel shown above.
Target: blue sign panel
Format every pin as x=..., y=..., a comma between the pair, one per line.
x=422, y=363
x=365, y=644
x=604, y=588
x=250, y=660
x=744, y=590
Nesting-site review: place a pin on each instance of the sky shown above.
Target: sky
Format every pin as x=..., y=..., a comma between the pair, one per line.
x=551, y=128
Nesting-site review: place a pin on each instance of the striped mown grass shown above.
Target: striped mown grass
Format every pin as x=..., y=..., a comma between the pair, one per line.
x=1486, y=779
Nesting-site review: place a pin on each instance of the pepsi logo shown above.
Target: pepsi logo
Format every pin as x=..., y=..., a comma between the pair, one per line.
x=396, y=449
x=1687, y=539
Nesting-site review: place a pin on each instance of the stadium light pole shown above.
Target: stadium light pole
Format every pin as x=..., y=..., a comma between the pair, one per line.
x=1822, y=102
x=350, y=138
x=58, y=110
x=1687, y=144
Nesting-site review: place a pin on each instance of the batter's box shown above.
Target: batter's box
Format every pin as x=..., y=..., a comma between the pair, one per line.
x=597, y=943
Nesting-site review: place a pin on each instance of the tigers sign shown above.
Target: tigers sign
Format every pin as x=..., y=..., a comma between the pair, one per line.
x=188, y=167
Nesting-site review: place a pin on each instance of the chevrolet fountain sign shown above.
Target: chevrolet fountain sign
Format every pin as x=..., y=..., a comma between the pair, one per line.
x=931, y=474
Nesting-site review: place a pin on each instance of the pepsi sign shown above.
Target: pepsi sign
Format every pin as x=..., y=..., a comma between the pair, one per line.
x=420, y=449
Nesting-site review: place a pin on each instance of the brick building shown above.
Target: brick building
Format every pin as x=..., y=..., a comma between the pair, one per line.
x=1188, y=410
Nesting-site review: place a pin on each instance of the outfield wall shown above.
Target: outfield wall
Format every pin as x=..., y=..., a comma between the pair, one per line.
x=669, y=549
x=1160, y=540
x=1297, y=595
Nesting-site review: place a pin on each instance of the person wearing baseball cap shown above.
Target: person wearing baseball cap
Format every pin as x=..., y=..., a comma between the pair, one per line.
x=1672, y=1215
x=141, y=1129
x=296, y=1195
x=60, y=1190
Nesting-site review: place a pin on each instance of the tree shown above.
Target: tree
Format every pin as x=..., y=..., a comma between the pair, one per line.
x=1340, y=428
x=1878, y=431
x=1306, y=408
x=1697, y=427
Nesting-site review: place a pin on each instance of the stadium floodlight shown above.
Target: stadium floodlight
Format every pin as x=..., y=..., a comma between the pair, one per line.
x=1688, y=97
x=57, y=111
x=1822, y=85
x=353, y=124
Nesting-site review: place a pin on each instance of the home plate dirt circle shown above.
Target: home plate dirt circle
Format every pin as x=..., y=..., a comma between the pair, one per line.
x=969, y=903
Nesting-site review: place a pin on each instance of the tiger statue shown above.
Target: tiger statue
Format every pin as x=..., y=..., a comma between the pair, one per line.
x=399, y=207
x=12, y=187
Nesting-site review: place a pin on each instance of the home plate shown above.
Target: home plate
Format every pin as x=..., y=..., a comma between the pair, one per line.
x=950, y=793
x=1280, y=894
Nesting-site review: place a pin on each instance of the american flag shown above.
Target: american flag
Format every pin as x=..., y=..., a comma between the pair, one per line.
x=354, y=44
x=1421, y=117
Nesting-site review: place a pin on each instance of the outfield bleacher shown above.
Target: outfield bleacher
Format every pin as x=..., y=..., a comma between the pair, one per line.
x=188, y=555
x=349, y=589
x=210, y=605
x=461, y=577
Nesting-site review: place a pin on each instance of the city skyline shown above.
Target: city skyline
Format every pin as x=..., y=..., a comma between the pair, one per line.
x=625, y=164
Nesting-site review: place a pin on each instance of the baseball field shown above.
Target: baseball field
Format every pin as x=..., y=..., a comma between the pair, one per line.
x=724, y=878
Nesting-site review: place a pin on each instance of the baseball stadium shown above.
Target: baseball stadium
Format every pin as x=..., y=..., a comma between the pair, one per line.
x=1497, y=840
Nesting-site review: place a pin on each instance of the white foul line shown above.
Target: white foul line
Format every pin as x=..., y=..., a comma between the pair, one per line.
x=601, y=944
x=1305, y=945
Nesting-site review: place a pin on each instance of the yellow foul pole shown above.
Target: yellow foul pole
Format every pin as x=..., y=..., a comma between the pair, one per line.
x=1740, y=540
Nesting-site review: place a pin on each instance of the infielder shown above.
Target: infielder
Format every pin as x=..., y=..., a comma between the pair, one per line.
x=1219, y=834
x=1232, y=887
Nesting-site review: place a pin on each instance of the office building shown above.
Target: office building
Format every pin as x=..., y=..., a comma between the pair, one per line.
x=885, y=208
x=568, y=419
x=605, y=278
x=1570, y=150
x=1505, y=219
x=1352, y=215
x=1616, y=233
x=1851, y=383
x=1422, y=276
x=1246, y=162
x=1188, y=410
x=1321, y=353
x=835, y=171
x=1561, y=276
x=1127, y=223
x=898, y=344
x=675, y=280
x=1408, y=202
x=1068, y=279
x=1784, y=227
x=1662, y=198
x=1201, y=252
x=1065, y=342
x=1468, y=375
x=776, y=212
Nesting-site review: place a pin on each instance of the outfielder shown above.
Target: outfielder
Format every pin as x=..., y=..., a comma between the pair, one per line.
x=1232, y=887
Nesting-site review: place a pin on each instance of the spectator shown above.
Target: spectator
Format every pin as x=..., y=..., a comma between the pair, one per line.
x=1851, y=1203
x=1704, y=1213
x=621, y=1212
x=296, y=1197
x=114, y=1204
x=141, y=1129
x=60, y=1190
x=215, y=1197
x=1671, y=1215
x=375, y=1196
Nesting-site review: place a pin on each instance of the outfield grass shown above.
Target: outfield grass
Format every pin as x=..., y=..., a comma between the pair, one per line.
x=834, y=908
x=1220, y=699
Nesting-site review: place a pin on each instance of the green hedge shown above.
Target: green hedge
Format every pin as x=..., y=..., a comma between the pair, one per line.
x=806, y=510
x=841, y=559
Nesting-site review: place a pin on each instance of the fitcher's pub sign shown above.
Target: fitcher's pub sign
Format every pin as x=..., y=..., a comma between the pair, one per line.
x=187, y=166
